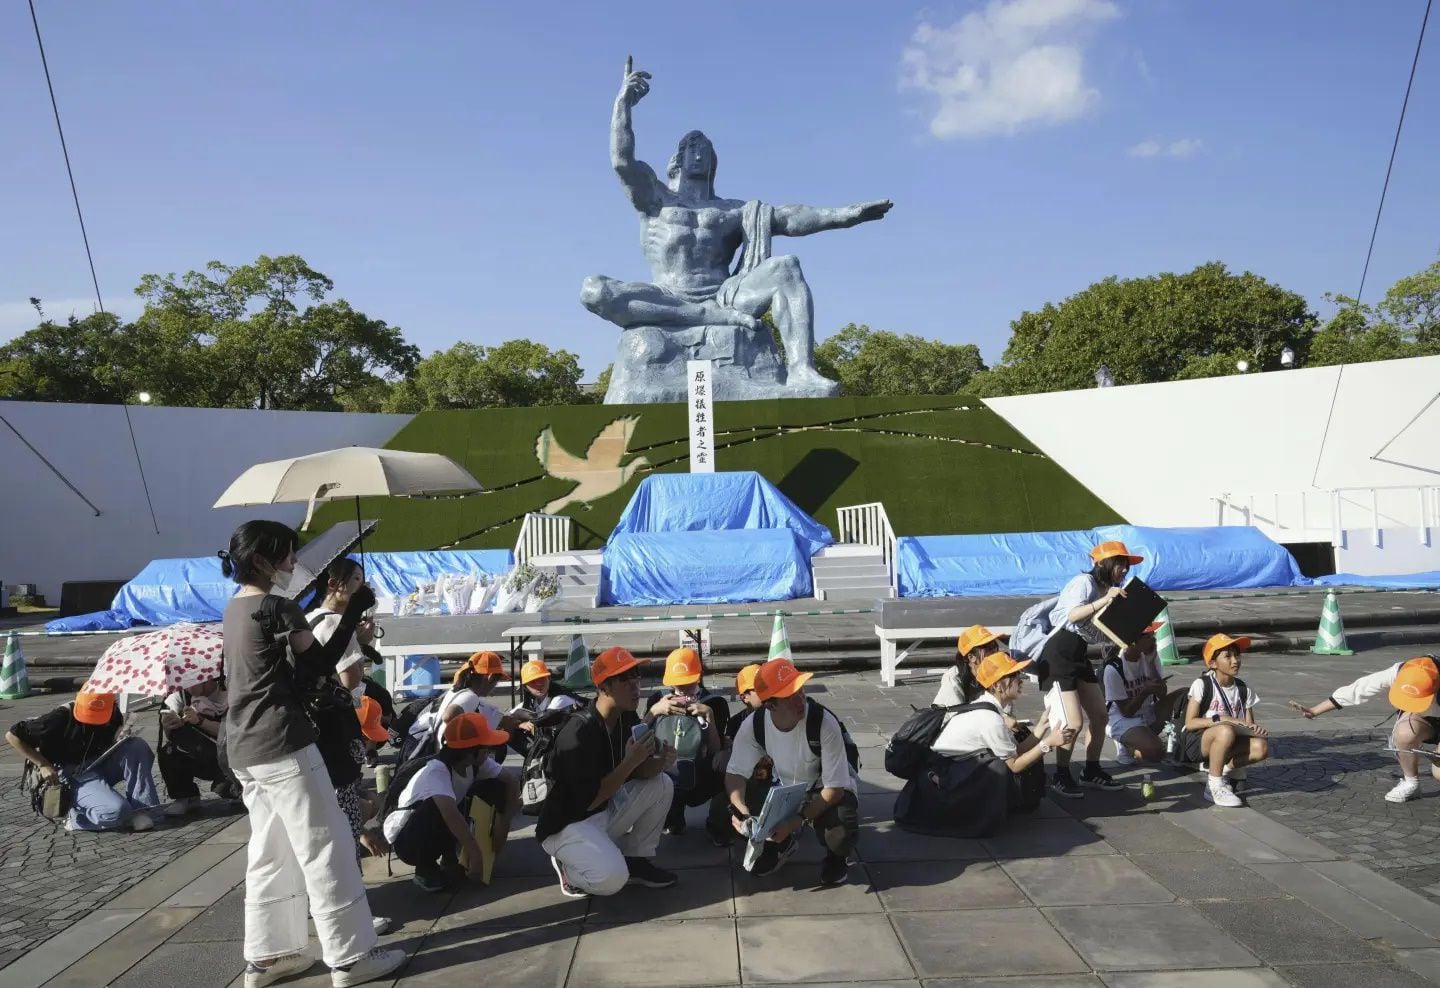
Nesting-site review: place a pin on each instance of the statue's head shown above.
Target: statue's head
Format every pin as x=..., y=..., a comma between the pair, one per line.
x=693, y=158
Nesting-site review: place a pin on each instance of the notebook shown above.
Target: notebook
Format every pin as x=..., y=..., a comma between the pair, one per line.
x=1125, y=619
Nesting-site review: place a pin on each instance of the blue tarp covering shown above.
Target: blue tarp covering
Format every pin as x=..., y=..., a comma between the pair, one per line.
x=719, y=538
x=1039, y=563
x=705, y=567
x=94, y=621
x=1412, y=581
x=689, y=502
x=394, y=574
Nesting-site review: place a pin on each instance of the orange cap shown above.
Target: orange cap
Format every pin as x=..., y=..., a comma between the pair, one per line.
x=996, y=666
x=93, y=708
x=1415, y=686
x=779, y=678
x=485, y=664
x=745, y=678
x=369, y=714
x=611, y=662
x=1109, y=550
x=975, y=636
x=473, y=731
x=533, y=670
x=682, y=667
x=1215, y=643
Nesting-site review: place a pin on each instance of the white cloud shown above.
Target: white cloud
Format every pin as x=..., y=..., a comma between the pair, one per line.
x=1183, y=148
x=19, y=317
x=1014, y=64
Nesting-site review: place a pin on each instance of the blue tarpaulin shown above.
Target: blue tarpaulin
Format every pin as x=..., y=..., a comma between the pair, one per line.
x=1040, y=563
x=705, y=567
x=1411, y=581
x=709, y=539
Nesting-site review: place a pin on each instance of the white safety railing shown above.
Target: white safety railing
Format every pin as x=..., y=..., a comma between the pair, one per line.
x=868, y=524
x=1306, y=514
x=541, y=535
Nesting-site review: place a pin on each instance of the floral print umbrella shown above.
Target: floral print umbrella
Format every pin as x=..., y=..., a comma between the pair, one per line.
x=153, y=664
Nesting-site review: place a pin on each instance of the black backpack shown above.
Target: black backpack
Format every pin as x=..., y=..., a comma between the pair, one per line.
x=403, y=775
x=409, y=714
x=538, y=772
x=814, y=716
x=911, y=745
x=1187, y=745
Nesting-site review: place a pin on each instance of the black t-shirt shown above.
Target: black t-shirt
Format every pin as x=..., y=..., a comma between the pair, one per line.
x=64, y=740
x=585, y=752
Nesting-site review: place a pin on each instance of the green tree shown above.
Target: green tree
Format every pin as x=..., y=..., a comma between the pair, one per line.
x=517, y=372
x=90, y=359
x=250, y=344
x=1157, y=328
x=879, y=363
x=1405, y=323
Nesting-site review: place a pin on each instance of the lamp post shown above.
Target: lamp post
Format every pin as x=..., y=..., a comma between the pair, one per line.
x=1104, y=378
x=1287, y=358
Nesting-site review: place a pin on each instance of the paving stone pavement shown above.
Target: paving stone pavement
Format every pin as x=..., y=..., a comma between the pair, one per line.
x=1109, y=890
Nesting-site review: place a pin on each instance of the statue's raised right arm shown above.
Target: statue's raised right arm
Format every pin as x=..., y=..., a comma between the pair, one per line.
x=641, y=184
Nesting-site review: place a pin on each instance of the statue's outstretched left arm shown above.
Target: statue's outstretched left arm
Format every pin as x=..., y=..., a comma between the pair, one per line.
x=801, y=221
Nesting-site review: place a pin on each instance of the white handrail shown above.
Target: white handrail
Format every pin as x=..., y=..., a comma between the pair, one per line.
x=1377, y=508
x=868, y=524
x=541, y=535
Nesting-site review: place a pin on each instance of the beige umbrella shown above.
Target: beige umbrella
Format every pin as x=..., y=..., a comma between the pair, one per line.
x=355, y=472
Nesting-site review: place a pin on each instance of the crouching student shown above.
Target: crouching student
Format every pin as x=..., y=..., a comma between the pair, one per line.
x=1133, y=691
x=540, y=695
x=690, y=719
x=717, y=824
x=430, y=825
x=77, y=744
x=958, y=683
x=609, y=793
x=1220, y=708
x=189, y=725
x=984, y=770
x=805, y=748
x=1411, y=689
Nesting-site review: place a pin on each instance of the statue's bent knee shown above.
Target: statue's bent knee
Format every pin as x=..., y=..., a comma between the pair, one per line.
x=595, y=293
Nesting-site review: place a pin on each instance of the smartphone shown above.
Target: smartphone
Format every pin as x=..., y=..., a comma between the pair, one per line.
x=640, y=732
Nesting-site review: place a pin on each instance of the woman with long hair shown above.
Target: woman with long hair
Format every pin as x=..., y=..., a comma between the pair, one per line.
x=301, y=856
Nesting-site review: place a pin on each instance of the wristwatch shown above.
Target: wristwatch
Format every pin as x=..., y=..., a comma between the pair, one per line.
x=1046, y=747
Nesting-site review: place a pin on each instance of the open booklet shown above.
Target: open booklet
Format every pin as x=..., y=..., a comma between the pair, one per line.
x=782, y=803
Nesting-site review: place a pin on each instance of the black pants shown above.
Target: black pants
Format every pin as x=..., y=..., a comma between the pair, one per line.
x=426, y=842
x=185, y=756
x=704, y=783
x=838, y=828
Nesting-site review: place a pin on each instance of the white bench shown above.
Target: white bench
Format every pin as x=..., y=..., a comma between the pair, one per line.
x=890, y=638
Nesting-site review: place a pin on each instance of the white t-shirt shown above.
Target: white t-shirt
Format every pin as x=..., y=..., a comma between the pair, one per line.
x=323, y=624
x=468, y=702
x=1125, y=682
x=977, y=730
x=1221, y=696
x=1082, y=589
x=433, y=779
x=790, y=752
x=949, y=693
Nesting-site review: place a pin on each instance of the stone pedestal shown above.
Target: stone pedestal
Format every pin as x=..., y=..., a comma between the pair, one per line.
x=650, y=365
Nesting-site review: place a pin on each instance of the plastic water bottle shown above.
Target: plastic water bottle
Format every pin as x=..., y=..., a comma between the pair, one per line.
x=1147, y=787
x=1171, y=741
x=382, y=777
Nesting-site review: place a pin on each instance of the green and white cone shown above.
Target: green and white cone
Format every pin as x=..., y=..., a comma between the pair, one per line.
x=577, y=663
x=1165, y=647
x=14, y=677
x=1330, y=639
x=779, y=642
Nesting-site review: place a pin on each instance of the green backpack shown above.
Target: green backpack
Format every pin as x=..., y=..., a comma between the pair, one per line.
x=682, y=733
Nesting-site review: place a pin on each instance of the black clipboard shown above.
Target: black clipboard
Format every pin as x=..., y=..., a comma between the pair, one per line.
x=1125, y=619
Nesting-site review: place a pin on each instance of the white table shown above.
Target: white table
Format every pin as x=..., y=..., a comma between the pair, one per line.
x=523, y=637
x=890, y=637
x=459, y=635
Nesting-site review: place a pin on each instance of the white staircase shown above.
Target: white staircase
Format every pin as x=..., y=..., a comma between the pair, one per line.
x=579, y=574
x=849, y=571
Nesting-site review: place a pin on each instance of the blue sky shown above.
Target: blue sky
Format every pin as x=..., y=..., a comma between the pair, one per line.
x=446, y=163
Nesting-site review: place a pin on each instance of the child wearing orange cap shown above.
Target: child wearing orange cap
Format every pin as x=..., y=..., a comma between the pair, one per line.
x=542, y=700
x=1411, y=688
x=689, y=718
x=75, y=743
x=958, y=683
x=1063, y=659
x=717, y=821
x=1220, y=708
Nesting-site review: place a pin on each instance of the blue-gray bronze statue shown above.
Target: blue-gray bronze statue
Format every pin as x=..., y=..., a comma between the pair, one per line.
x=699, y=306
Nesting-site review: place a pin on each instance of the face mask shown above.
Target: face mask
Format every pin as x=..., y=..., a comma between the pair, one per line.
x=280, y=582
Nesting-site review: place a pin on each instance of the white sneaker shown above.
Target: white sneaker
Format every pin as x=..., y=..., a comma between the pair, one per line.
x=381, y=924
x=278, y=970
x=1405, y=789
x=179, y=807
x=566, y=889
x=376, y=964
x=140, y=822
x=1218, y=791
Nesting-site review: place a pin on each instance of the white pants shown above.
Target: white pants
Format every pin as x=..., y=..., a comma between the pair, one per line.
x=593, y=851
x=301, y=846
